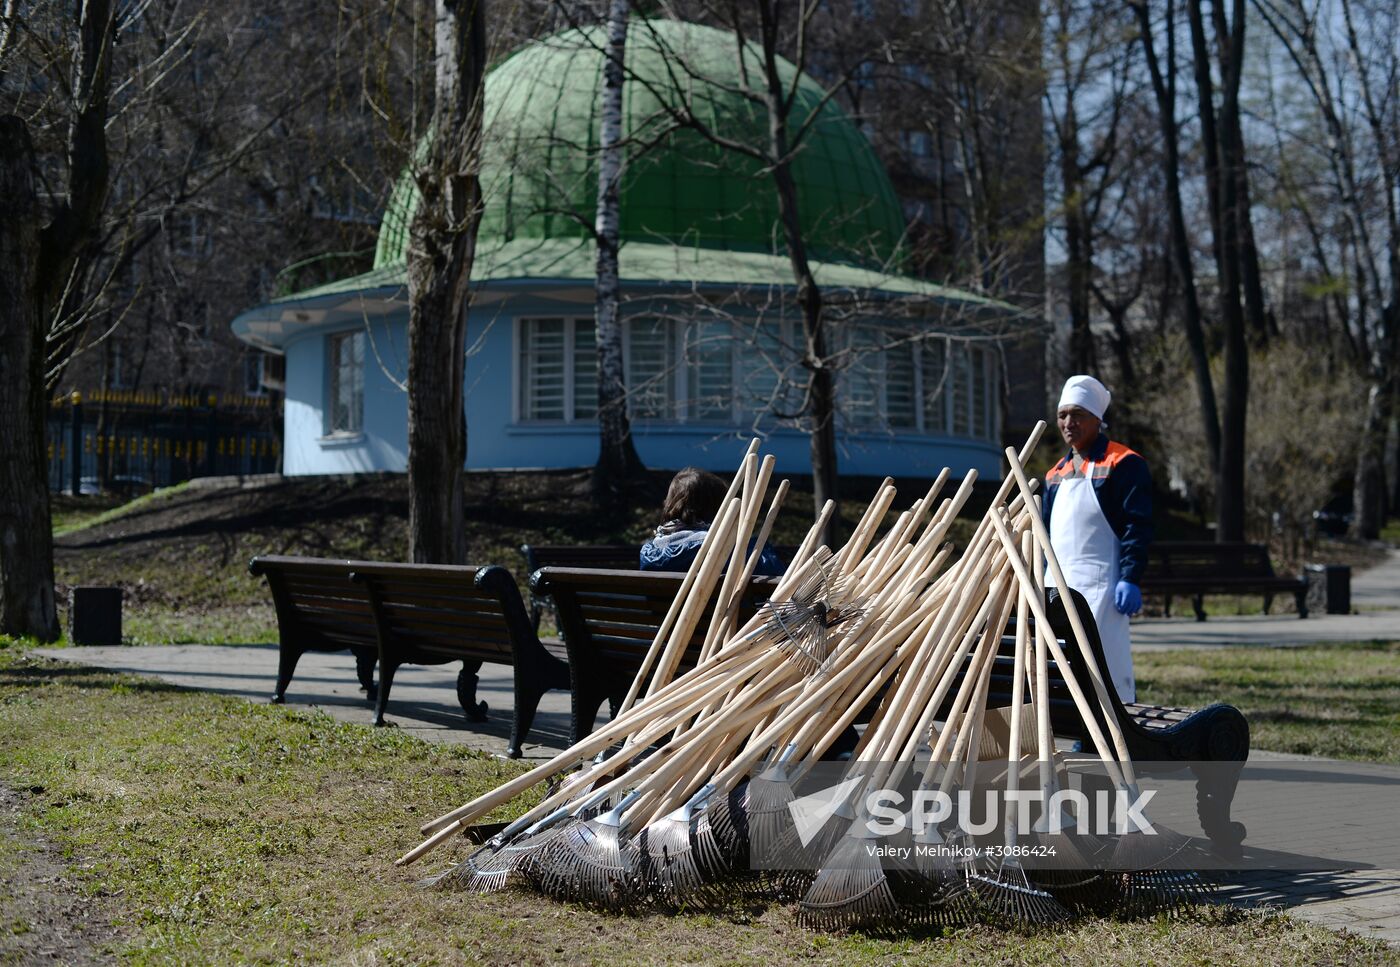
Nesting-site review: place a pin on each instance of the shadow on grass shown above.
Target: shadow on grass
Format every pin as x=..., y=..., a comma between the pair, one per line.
x=75, y=676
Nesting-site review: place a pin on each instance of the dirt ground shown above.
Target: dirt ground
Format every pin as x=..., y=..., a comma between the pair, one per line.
x=44, y=918
x=188, y=550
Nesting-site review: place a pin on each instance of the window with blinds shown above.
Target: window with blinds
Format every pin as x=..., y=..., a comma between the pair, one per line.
x=770, y=377
x=709, y=370
x=860, y=379
x=901, y=393
x=712, y=371
x=651, y=369
x=558, y=374
x=934, y=384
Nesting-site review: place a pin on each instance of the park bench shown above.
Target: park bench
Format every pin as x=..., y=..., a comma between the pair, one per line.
x=621, y=557
x=1198, y=568
x=608, y=619
x=1213, y=741
x=421, y=614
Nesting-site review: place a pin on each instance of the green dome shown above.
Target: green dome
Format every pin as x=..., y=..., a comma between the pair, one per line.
x=539, y=173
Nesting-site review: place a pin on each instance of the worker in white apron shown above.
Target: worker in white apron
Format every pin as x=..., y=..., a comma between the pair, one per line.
x=1098, y=507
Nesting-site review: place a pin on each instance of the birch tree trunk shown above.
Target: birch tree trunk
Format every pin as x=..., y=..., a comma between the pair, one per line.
x=821, y=393
x=617, y=457
x=442, y=246
x=26, y=541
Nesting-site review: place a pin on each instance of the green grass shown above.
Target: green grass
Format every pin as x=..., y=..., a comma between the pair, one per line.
x=75, y=516
x=219, y=831
x=1390, y=533
x=1335, y=700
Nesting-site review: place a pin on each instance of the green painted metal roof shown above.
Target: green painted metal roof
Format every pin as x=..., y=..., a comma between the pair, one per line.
x=573, y=260
x=539, y=175
x=531, y=263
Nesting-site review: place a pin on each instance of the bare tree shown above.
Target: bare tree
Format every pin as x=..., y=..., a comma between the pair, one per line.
x=617, y=456
x=26, y=542
x=1085, y=99
x=43, y=262
x=1345, y=55
x=443, y=243
x=1163, y=72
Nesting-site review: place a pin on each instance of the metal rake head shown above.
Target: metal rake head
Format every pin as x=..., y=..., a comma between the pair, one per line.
x=851, y=891
x=1066, y=866
x=932, y=897
x=592, y=862
x=492, y=868
x=1146, y=893
x=1138, y=850
x=800, y=627
x=727, y=819
x=681, y=861
x=1008, y=897
x=773, y=838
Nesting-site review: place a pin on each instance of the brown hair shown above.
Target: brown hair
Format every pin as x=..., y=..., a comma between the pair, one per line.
x=694, y=496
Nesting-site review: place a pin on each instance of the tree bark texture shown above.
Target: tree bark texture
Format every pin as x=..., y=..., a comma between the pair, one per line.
x=1078, y=243
x=821, y=393
x=26, y=540
x=1164, y=87
x=442, y=246
x=617, y=456
x=1229, y=45
x=63, y=242
x=1230, y=482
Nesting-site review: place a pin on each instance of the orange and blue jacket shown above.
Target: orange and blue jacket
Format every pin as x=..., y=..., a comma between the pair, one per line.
x=1123, y=485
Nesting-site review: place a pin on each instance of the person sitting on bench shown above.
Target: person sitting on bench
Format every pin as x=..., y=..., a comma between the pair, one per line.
x=692, y=502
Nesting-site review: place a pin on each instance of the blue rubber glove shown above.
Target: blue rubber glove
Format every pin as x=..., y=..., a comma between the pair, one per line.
x=1127, y=598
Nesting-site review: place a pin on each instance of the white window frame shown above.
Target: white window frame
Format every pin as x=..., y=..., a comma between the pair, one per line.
x=517, y=400
x=681, y=404
x=332, y=385
x=686, y=403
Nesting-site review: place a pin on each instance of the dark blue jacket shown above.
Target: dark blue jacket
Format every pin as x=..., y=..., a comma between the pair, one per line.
x=1123, y=485
x=674, y=548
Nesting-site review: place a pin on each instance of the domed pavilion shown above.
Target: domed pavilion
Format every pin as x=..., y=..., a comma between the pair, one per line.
x=712, y=331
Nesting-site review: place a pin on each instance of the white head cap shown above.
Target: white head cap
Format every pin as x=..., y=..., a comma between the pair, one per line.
x=1086, y=393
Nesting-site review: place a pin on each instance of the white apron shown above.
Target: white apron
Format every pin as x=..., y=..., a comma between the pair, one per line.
x=1087, y=550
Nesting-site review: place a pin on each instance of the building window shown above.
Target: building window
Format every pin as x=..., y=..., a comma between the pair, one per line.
x=861, y=378
x=651, y=369
x=957, y=385
x=901, y=393
x=770, y=378
x=971, y=389
x=192, y=235
x=709, y=372
x=118, y=373
x=253, y=384
x=347, y=383
x=933, y=389
x=558, y=377
x=918, y=143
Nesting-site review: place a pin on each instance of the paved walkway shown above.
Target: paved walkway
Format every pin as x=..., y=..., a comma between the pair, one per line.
x=1375, y=596
x=424, y=702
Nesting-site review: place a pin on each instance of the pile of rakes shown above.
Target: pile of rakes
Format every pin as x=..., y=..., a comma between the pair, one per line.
x=676, y=800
